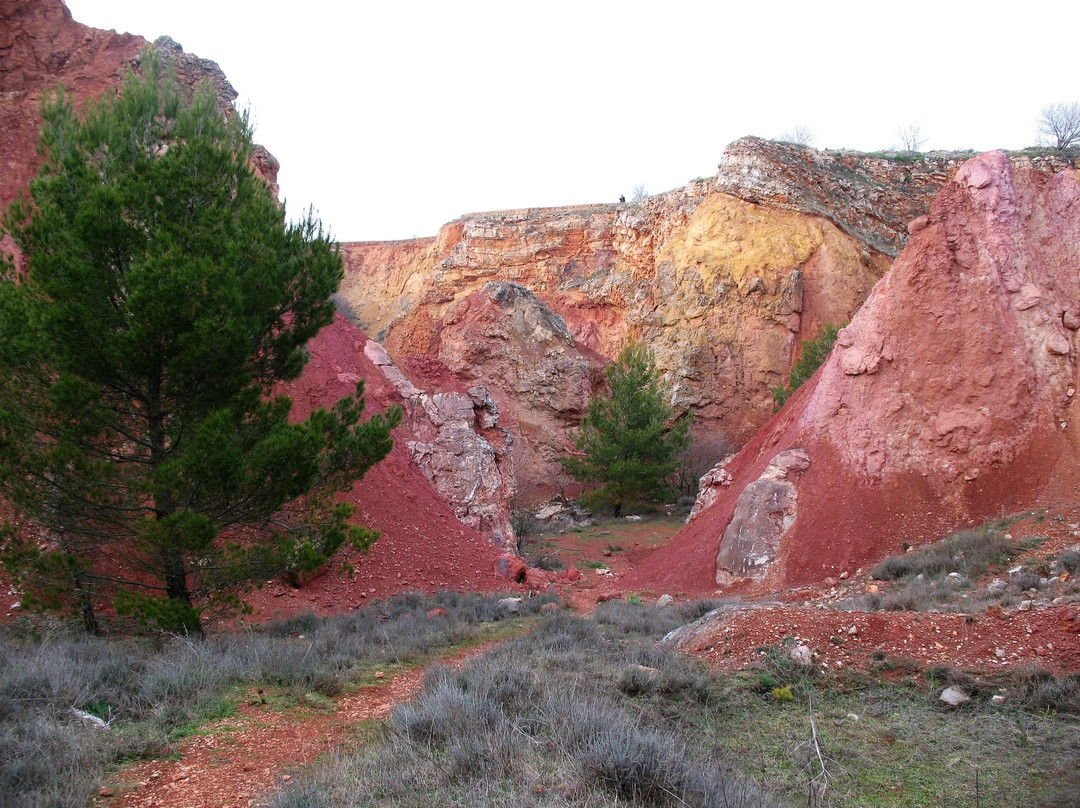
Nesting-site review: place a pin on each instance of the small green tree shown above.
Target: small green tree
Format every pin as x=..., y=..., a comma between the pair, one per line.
x=814, y=354
x=627, y=442
x=164, y=296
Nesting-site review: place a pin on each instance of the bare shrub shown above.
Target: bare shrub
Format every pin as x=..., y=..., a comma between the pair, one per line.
x=1059, y=125
x=911, y=137
x=800, y=135
x=697, y=460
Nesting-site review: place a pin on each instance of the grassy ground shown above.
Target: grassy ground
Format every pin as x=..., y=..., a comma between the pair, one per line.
x=155, y=690
x=581, y=712
x=862, y=740
x=603, y=544
x=590, y=712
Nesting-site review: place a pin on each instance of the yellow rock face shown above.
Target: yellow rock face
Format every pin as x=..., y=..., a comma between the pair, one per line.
x=737, y=290
x=728, y=240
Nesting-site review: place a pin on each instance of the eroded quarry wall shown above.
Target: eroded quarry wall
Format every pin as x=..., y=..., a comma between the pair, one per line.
x=724, y=278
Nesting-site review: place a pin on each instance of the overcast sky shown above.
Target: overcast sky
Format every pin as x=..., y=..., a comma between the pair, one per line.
x=394, y=117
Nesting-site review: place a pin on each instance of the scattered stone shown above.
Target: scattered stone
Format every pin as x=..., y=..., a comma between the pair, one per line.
x=801, y=655
x=853, y=630
x=549, y=608
x=997, y=698
x=105, y=792
x=512, y=567
x=664, y=601
x=651, y=674
x=852, y=717
x=537, y=578
x=632, y=518
x=954, y=696
x=1025, y=606
x=1000, y=653
x=511, y=605
x=89, y=719
x=996, y=587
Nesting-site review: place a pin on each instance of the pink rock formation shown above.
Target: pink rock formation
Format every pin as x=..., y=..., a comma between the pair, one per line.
x=948, y=399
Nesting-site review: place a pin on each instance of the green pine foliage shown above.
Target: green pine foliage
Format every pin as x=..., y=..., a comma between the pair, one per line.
x=627, y=443
x=163, y=297
x=814, y=354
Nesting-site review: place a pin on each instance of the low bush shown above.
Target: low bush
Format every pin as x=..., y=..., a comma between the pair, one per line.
x=578, y=713
x=153, y=690
x=969, y=553
x=1069, y=561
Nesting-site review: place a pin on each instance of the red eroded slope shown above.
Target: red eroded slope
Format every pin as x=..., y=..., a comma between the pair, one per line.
x=948, y=399
x=423, y=546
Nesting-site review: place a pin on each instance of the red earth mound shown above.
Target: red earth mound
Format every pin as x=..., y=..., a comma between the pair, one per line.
x=946, y=401
x=423, y=546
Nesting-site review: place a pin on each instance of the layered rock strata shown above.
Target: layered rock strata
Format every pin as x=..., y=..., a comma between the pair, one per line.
x=724, y=278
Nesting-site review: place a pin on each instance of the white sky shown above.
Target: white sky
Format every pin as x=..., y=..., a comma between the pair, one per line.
x=393, y=117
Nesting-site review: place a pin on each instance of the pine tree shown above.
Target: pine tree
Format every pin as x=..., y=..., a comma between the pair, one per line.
x=814, y=354
x=627, y=442
x=164, y=296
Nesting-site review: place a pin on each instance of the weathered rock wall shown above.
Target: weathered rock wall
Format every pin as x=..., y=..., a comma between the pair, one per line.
x=41, y=46
x=948, y=399
x=724, y=278
x=383, y=279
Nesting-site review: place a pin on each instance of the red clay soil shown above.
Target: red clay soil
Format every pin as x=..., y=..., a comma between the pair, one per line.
x=838, y=639
x=424, y=547
x=240, y=760
x=1048, y=633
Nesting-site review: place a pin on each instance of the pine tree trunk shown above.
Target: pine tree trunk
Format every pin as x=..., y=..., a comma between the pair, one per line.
x=85, y=597
x=172, y=555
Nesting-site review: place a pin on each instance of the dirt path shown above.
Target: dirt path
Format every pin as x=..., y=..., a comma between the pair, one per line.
x=240, y=760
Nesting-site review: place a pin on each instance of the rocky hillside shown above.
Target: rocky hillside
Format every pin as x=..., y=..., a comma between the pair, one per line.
x=948, y=399
x=442, y=519
x=724, y=278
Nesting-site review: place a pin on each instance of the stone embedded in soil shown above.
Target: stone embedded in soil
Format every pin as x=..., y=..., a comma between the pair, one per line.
x=954, y=696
